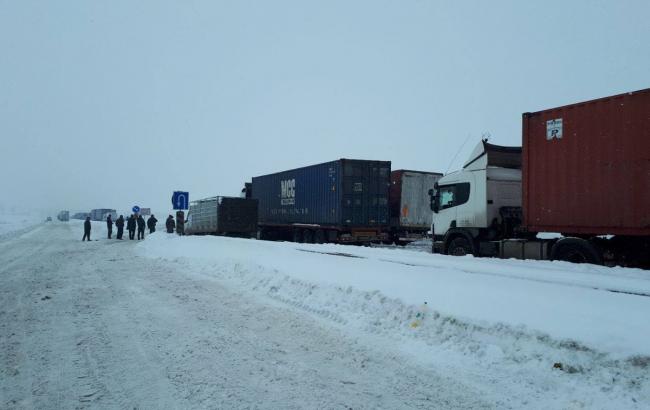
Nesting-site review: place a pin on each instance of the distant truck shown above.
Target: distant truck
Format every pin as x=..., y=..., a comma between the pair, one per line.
x=221, y=215
x=409, y=204
x=342, y=201
x=584, y=173
x=63, y=216
x=102, y=213
x=80, y=215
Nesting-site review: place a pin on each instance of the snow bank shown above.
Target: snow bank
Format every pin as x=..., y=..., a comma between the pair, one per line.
x=510, y=314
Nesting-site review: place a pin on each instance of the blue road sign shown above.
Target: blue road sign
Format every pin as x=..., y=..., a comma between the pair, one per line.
x=181, y=200
x=135, y=209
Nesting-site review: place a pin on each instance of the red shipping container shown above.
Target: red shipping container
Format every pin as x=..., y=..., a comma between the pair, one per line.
x=587, y=167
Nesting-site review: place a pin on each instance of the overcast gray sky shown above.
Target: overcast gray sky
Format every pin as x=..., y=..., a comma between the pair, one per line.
x=116, y=103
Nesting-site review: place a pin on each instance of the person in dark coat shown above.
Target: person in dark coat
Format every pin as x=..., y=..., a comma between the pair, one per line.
x=170, y=224
x=109, y=225
x=141, y=225
x=119, y=223
x=151, y=223
x=130, y=226
x=87, y=226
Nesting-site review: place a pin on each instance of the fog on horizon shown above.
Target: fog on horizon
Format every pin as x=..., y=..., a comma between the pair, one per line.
x=113, y=104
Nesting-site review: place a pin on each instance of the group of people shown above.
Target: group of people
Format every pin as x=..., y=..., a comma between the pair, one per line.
x=134, y=221
x=137, y=222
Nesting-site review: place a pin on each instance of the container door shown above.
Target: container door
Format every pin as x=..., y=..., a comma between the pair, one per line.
x=365, y=193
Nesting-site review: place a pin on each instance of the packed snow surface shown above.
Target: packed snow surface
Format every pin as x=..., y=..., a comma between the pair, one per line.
x=211, y=322
x=601, y=308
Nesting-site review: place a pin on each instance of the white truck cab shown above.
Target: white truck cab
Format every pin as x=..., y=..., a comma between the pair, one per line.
x=482, y=201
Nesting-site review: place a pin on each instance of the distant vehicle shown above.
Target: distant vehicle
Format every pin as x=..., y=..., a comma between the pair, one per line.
x=583, y=172
x=102, y=213
x=80, y=215
x=229, y=216
x=48, y=219
x=409, y=203
x=63, y=216
x=343, y=201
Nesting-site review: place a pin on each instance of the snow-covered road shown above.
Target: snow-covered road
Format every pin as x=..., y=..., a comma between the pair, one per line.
x=97, y=325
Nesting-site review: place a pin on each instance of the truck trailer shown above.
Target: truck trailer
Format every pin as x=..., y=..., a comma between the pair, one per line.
x=342, y=201
x=221, y=215
x=583, y=173
x=409, y=204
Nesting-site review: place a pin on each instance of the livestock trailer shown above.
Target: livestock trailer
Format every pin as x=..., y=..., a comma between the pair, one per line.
x=221, y=215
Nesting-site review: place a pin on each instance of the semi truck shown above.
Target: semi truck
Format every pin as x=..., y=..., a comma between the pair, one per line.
x=410, y=212
x=222, y=215
x=342, y=201
x=577, y=190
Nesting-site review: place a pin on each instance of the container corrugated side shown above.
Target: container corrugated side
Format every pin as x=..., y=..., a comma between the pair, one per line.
x=338, y=193
x=587, y=167
x=308, y=195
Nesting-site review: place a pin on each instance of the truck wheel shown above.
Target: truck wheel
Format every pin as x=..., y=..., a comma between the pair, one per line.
x=319, y=237
x=576, y=250
x=308, y=236
x=459, y=246
x=297, y=235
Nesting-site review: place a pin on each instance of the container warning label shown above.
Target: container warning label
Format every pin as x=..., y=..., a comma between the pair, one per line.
x=554, y=129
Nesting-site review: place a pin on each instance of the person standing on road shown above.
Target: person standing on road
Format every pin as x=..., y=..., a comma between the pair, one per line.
x=109, y=225
x=170, y=224
x=141, y=225
x=151, y=223
x=130, y=226
x=119, y=223
x=87, y=226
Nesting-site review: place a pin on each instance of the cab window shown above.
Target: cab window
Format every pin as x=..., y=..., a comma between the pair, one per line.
x=453, y=195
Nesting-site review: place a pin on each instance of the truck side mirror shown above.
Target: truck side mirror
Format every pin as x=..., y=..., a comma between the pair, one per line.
x=433, y=194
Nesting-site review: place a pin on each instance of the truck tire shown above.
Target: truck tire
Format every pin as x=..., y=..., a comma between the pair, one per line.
x=459, y=246
x=308, y=236
x=297, y=235
x=319, y=237
x=576, y=250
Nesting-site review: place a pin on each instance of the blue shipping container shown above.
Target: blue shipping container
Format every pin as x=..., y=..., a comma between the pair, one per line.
x=341, y=193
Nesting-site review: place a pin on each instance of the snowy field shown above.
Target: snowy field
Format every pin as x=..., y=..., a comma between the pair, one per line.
x=196, y=322
x=14, y=223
